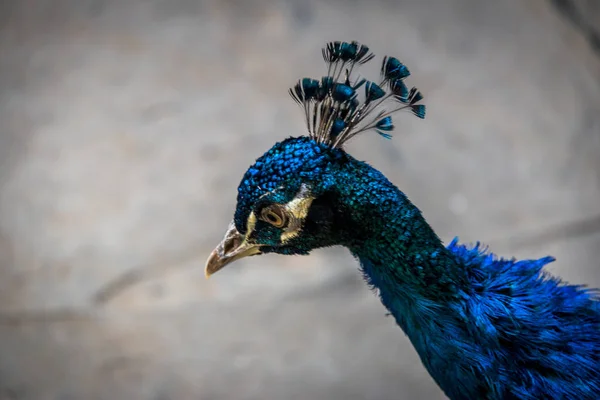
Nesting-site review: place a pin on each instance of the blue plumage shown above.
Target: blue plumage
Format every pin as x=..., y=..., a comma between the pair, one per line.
x=342, y=93
x=484, y=327
x=333, y=112
x=346, y=52
x=414, y=96
x=418, y=110
x=384, y=125
x=392, y=69
x=373, y=92
x=338, y=126
x=399, y=90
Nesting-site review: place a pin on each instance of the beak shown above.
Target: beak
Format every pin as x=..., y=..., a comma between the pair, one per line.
x=233, y=247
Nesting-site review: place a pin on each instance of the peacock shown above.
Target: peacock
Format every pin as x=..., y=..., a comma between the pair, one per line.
x=484, y=327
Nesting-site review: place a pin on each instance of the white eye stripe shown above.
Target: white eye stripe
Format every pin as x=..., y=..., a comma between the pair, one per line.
x=298, y=209
x=250, y=224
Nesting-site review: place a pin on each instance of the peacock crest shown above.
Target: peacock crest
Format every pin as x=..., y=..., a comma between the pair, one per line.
x=333, y=111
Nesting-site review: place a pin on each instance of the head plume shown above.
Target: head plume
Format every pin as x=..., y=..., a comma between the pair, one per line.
x=333, y=111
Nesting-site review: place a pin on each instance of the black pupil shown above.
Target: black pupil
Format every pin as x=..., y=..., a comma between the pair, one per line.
x=272, y=217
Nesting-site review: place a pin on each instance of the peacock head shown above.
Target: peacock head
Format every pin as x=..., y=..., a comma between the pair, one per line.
x=288, y=200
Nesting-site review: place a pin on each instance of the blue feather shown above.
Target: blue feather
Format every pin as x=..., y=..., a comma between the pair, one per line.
x=331, y=52
x=359, y=84
x=343, y=93
x=347, y=52
x=384, y=134
x=414, y=96
x=399, y=90
x=392, y=68
x=305, y=90
x=327, y=84
x=363, y=55
x=373, y=92
x=418, y=110
x=385, y=124
x=310, y=88
x=336, y=97
x=338, y=126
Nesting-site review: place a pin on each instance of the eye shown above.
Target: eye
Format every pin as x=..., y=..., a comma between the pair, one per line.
x=274, y=215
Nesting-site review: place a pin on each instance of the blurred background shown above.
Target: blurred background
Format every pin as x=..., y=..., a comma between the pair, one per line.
x=125, y=127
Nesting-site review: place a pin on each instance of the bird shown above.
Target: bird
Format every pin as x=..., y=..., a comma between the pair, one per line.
x=484, y=327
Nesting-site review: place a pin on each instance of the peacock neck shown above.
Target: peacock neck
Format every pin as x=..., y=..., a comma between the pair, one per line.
x=400, y=254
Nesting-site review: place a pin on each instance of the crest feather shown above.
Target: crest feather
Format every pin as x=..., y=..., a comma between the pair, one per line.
x=334, y=114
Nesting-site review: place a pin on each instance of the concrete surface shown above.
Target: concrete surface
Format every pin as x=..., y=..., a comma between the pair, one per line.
x=126, y=126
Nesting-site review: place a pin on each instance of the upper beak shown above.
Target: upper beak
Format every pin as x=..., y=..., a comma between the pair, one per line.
x=233, y=247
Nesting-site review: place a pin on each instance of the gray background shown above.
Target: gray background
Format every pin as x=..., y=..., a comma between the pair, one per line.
x=125, y=127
